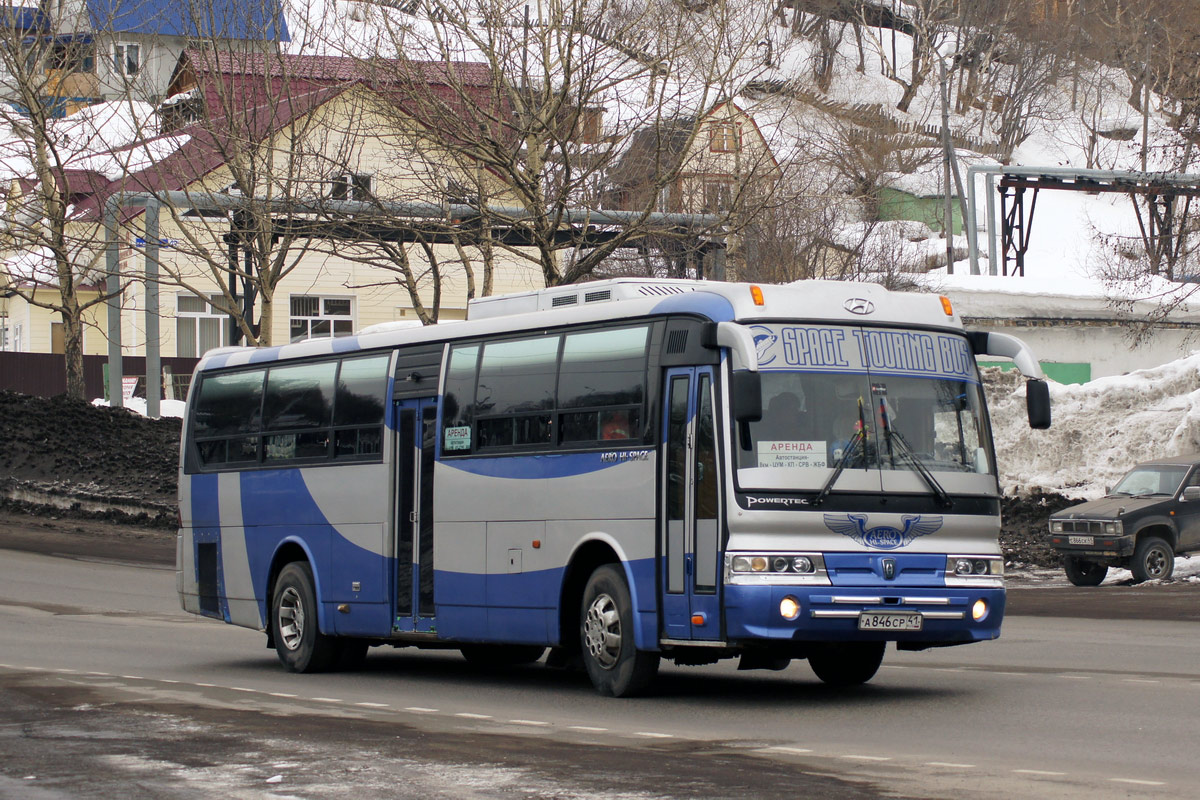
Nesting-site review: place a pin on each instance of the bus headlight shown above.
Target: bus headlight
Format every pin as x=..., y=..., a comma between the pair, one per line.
x=803, y=564
x=974, y=566
x=789, y=607
x=777, y=568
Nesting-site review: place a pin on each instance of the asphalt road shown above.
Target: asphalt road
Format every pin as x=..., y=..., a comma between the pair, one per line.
x=108, y=690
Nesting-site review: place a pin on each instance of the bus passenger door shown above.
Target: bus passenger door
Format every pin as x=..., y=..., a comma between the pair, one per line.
x=416, y=434
x=691, y=508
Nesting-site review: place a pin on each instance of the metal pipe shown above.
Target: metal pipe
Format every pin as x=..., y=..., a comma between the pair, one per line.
x=153, y=339
x=1159, y=178
x=112, y=286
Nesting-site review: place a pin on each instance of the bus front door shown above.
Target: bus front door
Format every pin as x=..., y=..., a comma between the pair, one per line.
x=416, y=434
x=691, y=509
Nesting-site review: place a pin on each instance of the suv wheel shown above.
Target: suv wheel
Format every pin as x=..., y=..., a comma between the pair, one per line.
x=1082, y=572
x=1152, y=560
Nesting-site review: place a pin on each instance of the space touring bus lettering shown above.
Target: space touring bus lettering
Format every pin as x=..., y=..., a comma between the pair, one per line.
x=882, y=351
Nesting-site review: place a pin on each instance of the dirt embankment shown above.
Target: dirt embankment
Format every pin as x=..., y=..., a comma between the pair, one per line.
x=70, y=459
x=66, y=457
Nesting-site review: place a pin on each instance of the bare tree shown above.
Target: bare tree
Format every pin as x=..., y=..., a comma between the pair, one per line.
x=49, y=159
x=570, y=84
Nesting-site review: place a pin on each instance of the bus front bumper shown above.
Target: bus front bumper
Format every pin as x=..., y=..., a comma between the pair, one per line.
x=833, y=613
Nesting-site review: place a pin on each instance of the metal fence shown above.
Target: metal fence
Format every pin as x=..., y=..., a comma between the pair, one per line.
x=45, y=374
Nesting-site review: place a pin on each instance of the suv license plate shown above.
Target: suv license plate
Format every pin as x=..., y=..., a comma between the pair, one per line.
x=1081, y=540
x=889, y=621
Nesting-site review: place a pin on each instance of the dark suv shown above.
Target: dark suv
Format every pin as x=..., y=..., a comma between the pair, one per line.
x=1149, y=516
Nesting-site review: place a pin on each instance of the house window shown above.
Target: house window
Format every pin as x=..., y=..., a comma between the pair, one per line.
x=72, y=57
x=198, y=326
x=723, y=138
x=316, y=317
x=718, y=197
x=351, y=187
x=127, y=58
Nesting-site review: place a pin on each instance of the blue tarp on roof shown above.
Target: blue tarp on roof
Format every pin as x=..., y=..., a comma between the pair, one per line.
x=254, y=20
x=22, y=18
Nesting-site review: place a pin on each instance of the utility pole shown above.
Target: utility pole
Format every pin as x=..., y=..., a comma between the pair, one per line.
x=948, y=231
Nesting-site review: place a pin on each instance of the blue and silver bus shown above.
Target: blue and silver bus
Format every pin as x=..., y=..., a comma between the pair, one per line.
x=622, y=471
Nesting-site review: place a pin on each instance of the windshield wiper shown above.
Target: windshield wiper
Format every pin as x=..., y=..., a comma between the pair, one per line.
x=906, y=452
x=858, y=440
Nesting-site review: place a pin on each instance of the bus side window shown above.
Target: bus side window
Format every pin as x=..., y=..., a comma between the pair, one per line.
x=227, y=417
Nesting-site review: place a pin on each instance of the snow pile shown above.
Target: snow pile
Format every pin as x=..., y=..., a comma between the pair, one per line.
x=137, y=405
x=1100, y=429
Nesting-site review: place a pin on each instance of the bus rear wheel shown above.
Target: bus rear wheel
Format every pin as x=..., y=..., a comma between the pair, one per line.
x=846, y=663
x=615, y=665
x=298, y=640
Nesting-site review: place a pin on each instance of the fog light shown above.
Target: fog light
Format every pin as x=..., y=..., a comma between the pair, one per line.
x=979, y=610
x=789, y=607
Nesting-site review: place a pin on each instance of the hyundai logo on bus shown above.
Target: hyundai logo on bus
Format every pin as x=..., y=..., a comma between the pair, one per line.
x=882, y=537
x=859, y=305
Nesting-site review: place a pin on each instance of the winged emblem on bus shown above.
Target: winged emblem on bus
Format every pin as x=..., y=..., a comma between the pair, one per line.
x=882, y=537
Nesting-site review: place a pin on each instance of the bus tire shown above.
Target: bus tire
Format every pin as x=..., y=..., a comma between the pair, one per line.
x=298, y=640
x=501, y=655
x=846, y=663
x=615, y=665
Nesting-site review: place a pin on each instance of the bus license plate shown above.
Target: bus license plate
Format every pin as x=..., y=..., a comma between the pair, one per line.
x=1081, y=540
x=889, y=621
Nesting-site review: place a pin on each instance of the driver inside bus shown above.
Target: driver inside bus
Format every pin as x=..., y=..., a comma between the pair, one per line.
x=785, y=419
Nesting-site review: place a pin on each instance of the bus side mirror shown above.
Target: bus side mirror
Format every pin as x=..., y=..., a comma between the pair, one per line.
x=1037, y=403
x=746, y=394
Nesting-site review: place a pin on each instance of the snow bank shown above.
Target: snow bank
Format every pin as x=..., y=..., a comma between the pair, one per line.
x=137, y=405
x=1099, y=429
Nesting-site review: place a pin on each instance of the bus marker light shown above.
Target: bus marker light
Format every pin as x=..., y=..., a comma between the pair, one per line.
x=789, y=607
x=699, y=619
x=979, y=610
x=757, y=296
x=946, y=305
x=537, y=543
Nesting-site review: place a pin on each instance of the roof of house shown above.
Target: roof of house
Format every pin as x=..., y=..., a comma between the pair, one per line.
x=204, y=149
x=248, y=20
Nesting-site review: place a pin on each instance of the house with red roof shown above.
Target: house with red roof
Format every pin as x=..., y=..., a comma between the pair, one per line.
x=303, y=131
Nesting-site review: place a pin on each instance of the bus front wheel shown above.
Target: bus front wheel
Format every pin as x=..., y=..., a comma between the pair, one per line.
x=298, y=641
x=615, y=665
x=846, y=663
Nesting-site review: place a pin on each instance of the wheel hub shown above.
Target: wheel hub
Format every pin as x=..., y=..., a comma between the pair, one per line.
x=291, y=618
x=602, y=631
x=1156, y=563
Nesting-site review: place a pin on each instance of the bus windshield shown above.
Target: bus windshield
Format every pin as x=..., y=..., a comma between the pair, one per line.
x=815, y=420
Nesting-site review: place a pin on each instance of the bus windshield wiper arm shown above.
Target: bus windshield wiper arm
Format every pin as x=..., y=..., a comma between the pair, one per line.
x=918, y=466
x=856, y=441
x=859, y=439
